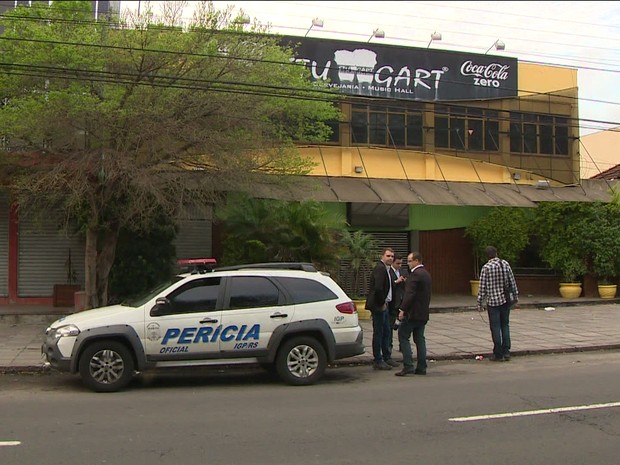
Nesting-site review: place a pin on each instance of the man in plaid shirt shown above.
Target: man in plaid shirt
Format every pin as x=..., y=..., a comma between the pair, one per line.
x=495, y=277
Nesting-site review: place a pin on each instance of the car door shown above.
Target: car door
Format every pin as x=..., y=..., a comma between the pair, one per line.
x=254, y=306
x=186, y=324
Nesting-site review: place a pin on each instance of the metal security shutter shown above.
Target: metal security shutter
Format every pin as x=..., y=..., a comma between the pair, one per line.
x=194, y=239
x=43, y=254
x=4, y=245
x=399, y=241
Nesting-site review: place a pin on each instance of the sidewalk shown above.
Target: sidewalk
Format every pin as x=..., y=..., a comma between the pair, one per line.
x=455, y=330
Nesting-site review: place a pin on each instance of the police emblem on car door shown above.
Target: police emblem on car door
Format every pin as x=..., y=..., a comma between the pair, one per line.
x=186, y=323
x=253, y=309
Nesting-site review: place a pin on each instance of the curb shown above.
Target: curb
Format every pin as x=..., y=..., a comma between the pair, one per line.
x=362, y=360
x=367, y=360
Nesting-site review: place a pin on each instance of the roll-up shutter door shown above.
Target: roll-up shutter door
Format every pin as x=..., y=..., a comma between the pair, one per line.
x=194, y=238
x=43, y=256
x=4, y=245
x=399, y=241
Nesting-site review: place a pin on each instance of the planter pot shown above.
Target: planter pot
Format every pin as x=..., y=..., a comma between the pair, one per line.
x=362, y=313
x=570, y=290
x=64, y=294
x=475, y=286
x=607, y=291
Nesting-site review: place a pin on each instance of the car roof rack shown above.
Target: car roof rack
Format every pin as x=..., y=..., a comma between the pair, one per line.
x=271, y=265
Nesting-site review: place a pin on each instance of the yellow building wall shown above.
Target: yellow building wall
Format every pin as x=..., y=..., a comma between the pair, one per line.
x=545, y=79
x=542, y=89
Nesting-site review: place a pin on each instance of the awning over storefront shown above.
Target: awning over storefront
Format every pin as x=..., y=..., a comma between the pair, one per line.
x=345, y=189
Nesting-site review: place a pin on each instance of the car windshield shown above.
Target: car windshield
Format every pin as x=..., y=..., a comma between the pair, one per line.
x=141, y=300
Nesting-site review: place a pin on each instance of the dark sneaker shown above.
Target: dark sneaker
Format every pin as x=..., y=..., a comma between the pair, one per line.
x=381, y=366
x=420, y=372
x=392, y=363
x=497, y=359
x=507, y=358
x=405, y=372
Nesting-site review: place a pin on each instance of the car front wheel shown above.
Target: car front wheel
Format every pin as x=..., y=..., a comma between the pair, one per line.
x=106, y=366
x=301, y=361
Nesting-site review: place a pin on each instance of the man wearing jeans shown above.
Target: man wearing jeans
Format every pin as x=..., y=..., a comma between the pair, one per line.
x=496, y=281
x=380, y=294
x=413, y=315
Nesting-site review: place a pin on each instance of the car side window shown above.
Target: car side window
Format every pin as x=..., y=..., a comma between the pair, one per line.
x=307, y=290
x=252, y=292
x=199, y=295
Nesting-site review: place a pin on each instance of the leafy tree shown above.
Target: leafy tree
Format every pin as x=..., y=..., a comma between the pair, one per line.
x=563, y=228
x=116, y=123
x=506, y=228
x=144, y=258
x=258, y=230
x=362, y=249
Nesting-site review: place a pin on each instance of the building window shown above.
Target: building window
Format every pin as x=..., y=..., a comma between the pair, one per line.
x=540, y=134
x=463, y=128
x=391, y=126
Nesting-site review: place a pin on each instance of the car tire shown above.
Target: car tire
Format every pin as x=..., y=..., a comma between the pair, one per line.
x=301, y=361
x=106, y=366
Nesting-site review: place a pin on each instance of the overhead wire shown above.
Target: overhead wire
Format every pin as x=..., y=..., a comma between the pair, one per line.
x=291, y=89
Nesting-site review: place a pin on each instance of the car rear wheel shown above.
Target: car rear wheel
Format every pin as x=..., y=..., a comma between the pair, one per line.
x=301, y=361
x=106, y=366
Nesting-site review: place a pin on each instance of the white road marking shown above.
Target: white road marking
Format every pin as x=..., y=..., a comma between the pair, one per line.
x=10, y=443
x=535, y=412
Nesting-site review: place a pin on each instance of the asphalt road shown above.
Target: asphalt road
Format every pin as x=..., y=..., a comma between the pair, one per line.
x=355, y=416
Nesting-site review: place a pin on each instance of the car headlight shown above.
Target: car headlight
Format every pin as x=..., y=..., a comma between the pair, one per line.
x=67, y=330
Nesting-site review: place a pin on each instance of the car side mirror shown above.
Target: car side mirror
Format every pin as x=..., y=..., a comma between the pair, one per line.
x=162, y=307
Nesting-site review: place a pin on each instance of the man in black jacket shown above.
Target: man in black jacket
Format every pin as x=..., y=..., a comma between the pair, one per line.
x=378, y=302
x=398, y=277
x=413, y=315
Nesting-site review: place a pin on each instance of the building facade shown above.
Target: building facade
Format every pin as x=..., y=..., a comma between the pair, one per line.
x=428, y=141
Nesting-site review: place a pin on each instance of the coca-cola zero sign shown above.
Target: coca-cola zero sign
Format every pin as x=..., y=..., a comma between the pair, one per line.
x=386, y=71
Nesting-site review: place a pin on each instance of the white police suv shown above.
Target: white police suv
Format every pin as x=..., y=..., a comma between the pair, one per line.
x=286, y=316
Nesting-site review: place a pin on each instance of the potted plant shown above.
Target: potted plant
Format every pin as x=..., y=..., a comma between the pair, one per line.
x=506, y=228
x=361, y=249
x=604, y=247
x=563, y=229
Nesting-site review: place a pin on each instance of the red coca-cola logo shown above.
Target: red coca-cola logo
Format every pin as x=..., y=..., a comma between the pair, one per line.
x=495, y=71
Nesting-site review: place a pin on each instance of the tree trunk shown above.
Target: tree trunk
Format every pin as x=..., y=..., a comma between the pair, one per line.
x=105, y=259
x=90, y=265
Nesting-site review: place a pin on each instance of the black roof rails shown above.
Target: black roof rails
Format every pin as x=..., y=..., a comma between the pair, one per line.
x=272, y=265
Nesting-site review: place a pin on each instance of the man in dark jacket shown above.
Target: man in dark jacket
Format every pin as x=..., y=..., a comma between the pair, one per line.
x=398, y=277
x=378, y=302
x=413, y=315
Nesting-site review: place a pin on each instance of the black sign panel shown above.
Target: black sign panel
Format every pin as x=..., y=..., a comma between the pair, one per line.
x=388, y=71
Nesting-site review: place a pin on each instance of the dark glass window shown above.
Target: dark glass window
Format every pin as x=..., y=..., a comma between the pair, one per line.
x=414, y=129
x=529, y=138
x=252, y=292
x=335, y=127
x=306, y=290
x=491, y=135
x=359, y=127
x=393, y=126
x=561, y=139
x=475, y=134
x=464, y=128
x=544, y=134
x=378, y=128
x=442, y=136
x=516, y=134
x=199, y=295
x=546, y=138
x=397, y=130
x=457, y=133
